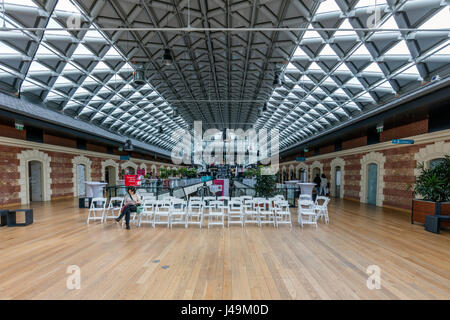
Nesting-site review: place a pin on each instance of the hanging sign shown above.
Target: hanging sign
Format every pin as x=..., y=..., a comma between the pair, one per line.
x=300, y=159
x=402, y=141
x=131, y=180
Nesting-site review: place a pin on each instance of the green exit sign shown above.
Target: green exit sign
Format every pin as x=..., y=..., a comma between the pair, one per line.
x=19, y=126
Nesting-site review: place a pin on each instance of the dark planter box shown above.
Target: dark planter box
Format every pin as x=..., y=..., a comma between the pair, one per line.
x=421, y=208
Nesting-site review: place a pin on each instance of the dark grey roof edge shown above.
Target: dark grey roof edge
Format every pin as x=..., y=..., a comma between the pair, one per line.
x=24, y=107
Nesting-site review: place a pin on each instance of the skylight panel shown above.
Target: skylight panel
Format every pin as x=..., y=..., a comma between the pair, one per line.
x=62, y=81
x=53, y=24
x=37, y=67
x=411, y=71
x=399, y=49
x=328, y=6
x=327, y=51
x=291, y=67
x=311, y=33
x=5, y=49
x=314, y=66
x=299, y=52
x=43, y=50
x=369, y=3
x=82, y=91
x=112, y=52
x=28, y=3
x=28, y=85
x=445, y=51
x=373, y=67
x=439, y=21
x=389, y=24
x=66, y=6
x=101, y=66
x=343, y=67
x=361, y=51
x=347, y=29
x=81, y=50
x=94, y=34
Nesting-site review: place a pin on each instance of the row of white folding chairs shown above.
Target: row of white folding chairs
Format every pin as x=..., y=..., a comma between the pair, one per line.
x=309, y=212
x=99, y=210
x=248, y=210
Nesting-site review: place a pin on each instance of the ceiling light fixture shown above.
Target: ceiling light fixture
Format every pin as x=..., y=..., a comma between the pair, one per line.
x=139, y=74
x=167, y=58
x=277, y=83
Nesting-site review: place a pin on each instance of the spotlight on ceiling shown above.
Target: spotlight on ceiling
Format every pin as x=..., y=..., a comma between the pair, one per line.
x=277, y=81
x=139, y=74
x=160, y=130
x=167, y=58
x=264, y=109
x=128, y=146
x=175, y=113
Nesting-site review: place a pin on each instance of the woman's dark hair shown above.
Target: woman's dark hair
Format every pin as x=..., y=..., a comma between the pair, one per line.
x=133, y=189
x=323, y=175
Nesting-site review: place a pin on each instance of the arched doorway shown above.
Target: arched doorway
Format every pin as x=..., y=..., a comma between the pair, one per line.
x=25, y=157
x=110, y=175
x=372, y=183
x=315, y=172
x=337, y=178
x=81, y=179
x=35, y=181
x=129, y=170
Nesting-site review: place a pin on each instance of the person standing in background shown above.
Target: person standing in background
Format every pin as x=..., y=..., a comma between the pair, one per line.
x=317, y=181
x=323, y=185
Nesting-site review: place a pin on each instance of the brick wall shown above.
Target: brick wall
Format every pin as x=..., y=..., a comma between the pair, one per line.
x=408, y=130
x=354, y=143
x=61, y=171
x=61, y=175
x=9, y=176
x=60, y=141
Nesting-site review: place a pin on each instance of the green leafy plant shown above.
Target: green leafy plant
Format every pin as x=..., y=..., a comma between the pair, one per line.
x=163, y=173
x=433, y=184
x=182, y=172
x=191, y=173
x=265, y=184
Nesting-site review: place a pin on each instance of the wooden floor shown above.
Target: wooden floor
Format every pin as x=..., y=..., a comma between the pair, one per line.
x=329, y=262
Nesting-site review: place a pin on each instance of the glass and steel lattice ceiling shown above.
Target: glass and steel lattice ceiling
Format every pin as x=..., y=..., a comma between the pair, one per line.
x=334, y=76
x=336, y=70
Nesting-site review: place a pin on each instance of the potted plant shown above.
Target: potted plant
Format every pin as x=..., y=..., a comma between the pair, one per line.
x=163, y=173
x=265, y=184
x=432, y=191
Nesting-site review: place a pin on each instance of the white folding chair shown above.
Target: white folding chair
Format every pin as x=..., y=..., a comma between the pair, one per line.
x=243, y=198
x=225, y=201
x=251, y=214
x=149, y=209
x=305, y=197
x=235, y=212
x=279, y=197
x=321, y=207
x=97, y=209
x=178, y=212
x=195, y=212
x=195, y=198
x=216, y=214
x=306, y=213
x=162, y=211
x=282, y=212
x=207, y=205
x=114, y=207
x=265, y=212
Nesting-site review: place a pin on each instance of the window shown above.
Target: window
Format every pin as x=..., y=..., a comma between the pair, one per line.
x=35, y=134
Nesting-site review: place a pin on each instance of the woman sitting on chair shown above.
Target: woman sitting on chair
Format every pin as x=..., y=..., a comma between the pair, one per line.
x=130, y=202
